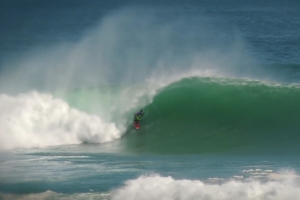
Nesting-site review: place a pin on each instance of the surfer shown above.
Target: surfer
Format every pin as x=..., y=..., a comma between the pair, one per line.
x=138, y=116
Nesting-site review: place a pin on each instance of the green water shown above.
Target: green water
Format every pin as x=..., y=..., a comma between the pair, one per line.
x=200, y=115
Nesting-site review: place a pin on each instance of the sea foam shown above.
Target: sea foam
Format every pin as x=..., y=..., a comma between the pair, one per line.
x=37, y=120
x=157, y=187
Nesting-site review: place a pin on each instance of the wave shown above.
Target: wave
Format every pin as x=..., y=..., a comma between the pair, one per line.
x=200, y=115
x=192, y=115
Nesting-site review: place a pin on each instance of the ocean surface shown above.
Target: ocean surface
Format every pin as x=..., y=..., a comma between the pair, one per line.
x=219, y=82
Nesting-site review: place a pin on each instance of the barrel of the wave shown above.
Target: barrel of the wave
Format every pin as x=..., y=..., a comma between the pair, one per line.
x=137, y=119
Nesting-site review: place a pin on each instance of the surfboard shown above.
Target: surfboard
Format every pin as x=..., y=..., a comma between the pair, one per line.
x=136, y=125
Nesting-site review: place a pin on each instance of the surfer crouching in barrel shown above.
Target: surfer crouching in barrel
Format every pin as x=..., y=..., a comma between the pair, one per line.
x=138, y=116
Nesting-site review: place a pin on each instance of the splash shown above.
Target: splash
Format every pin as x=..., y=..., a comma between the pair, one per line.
x=37, y=120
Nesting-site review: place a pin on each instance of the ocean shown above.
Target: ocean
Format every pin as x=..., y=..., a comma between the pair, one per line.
x=219, y=82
